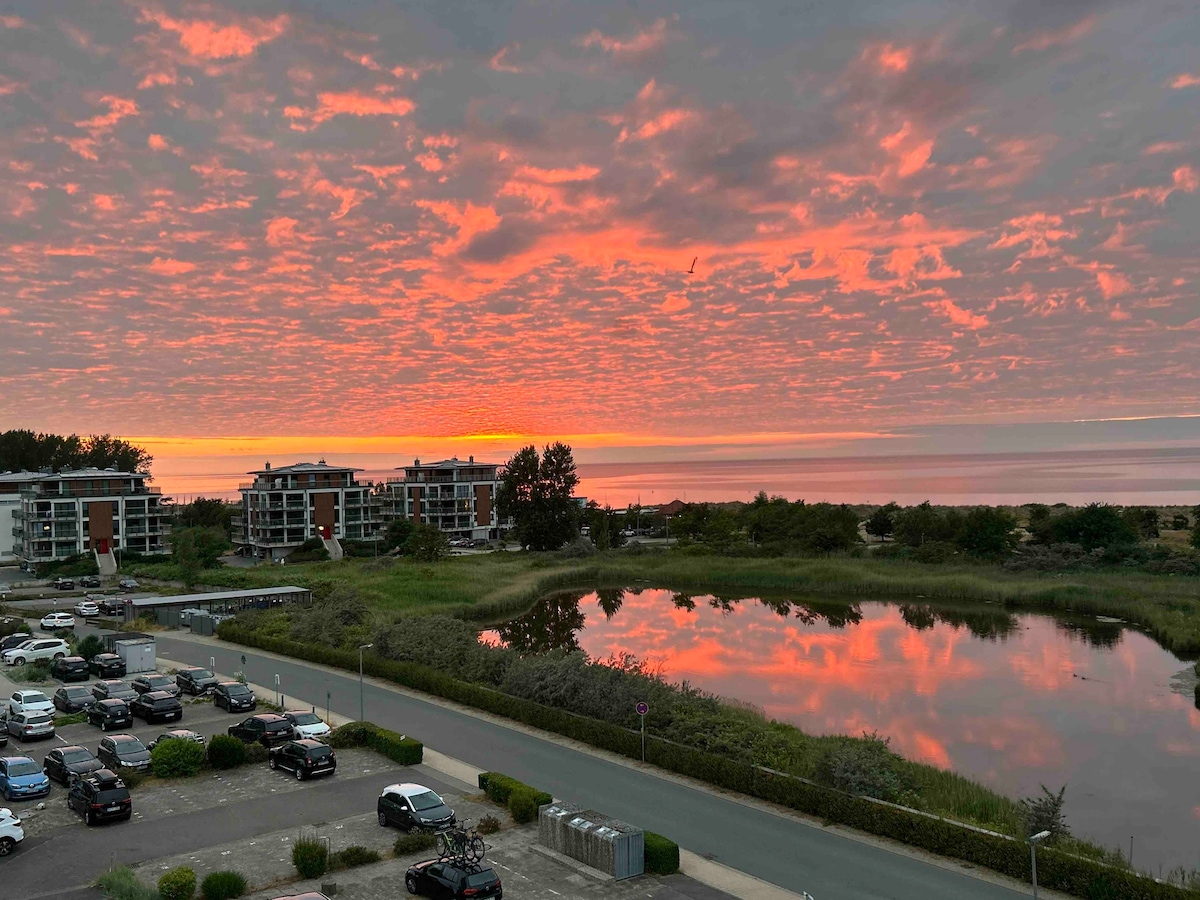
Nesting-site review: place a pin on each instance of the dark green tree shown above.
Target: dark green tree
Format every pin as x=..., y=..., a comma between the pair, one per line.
x=186, y=555
x=882, y=522
x=1095, y=525
x=396, y=533
x=22, y=449
x=426, y=543
x=987, y=531
x=204, y=512
x=604, y=526
x=1143, y=520
x=1179, y=522
x=1195, y=541
x=536, y=493
x=915, y=525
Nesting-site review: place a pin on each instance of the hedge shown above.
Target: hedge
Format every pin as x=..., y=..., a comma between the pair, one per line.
x=500, y=787
x=1056, y=870
x=310, y=857
x=662, y=854
x=177, y=884
x=223, y=885
x=397, y=747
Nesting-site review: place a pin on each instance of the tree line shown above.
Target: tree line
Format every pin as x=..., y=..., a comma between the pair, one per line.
x=24, y=450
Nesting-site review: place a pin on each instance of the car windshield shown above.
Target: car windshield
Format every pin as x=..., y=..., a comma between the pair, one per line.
x=23, y=767
x=238, y=690
x=481, y=879
x=35, y=697
x=305, y=718
x=158, y=679
x=77, y=755
x=427, y=800
x=130, y=747
x=199, y=674
x=77, y=692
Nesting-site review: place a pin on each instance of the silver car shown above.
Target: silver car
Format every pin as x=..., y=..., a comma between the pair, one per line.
x=31, y=725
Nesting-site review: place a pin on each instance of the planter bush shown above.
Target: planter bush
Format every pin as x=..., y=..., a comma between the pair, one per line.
x=353, y=855
x=226, y=752
x=397, y=747
x=488, y=825
x=310, y=857
x=500, y=787
x=223, y=886
x=662, y=854
x=121, y=884
x=256, y=753
x=177, y=759
x=178, y=883
x=523, y=805
x=414, y=843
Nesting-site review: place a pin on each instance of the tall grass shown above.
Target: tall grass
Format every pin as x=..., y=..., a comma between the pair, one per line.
x=121, y=884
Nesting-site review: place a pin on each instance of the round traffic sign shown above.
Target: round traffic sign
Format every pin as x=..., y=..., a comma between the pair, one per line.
x=642, y=708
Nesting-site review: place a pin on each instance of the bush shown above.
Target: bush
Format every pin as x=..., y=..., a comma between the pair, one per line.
x=523, y=804
x=419, y=842
x=70, y=719
x=256, y=753
x=662, y=854
x=177, y=759
x=353, y=855
x=500, y=787
x=396, y=747
x=223, y=886
x=310, y=857
x=488, y=825
x=178, y=883
x=121, y=884
x=226, y=752
x=89, y=647
x=133, y=779
x=865, y=767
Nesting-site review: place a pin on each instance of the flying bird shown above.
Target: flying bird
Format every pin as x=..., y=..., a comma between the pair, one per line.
x=692, y=270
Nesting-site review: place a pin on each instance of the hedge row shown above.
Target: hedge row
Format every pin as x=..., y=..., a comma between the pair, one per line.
x=662, y=854
x=397, y=747
x=522, y=800
x=1056, y=870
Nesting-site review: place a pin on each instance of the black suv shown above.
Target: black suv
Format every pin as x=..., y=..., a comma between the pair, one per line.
x=267, y=729
x=113, y=689
x=155, y=682
x=89, y=581
x=303, y=758
x=234, y=696
x=109, y=714
x=110, y=606
x=70, y=668
x=436, y=878
x=65, y=764
x=195, y=681
x=124, y=751
x=72, y=699
x=157, y=706
x=101, y=795
x=64, y=584
x=107, y=665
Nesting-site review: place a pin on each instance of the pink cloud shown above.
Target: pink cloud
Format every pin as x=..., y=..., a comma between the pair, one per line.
x=170, y=266
x=499, y=63
x=157, y=142
x=12, y=21
x=1057, y=38
x=888, y=58
x=118, y=108
x=468, y=221
x=1185, y=80
x=635, y=44
x=206, y=39
x=1112, y=284
x=350, y=103
x=957, y=315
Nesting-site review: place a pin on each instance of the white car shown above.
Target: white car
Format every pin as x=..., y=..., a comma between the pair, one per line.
x=87, y=608
x=29, y=701
x=38, y=648
x=11, y=832
x=54, y=621
x=307, y=724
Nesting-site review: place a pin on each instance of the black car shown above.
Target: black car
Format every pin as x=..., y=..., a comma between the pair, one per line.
x=155, y=682
x=195, y=681
x=157, y=706
x=124, y=751
x=99, y=796
x=303, y=758
x=65, y=764
x=72, y=699
x=109, y=714
x=234, y=696
x=110, y=606
x=89, y=581
x=14, y=640
x=70, y=668
x=413, y=807
x=113, y=689
x=267, y=729
x=107, y=665
x=179, y=734
x=64, y=584
x=451, y=881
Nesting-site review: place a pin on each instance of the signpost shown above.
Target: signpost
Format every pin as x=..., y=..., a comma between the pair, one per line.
x=642, y=708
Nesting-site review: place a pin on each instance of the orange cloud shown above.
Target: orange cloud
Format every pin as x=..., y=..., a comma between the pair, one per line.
x=12, y=21
x=104, y=201
x=207, y=39
x=350, y=103
x=498, y=62
x=1112, y=284
x=1057, y=38
x=958, y=315
x=888, y=58
x=1185, y=80
x=118, y=108
x=157, y=142
x=911, y=151
x=634, y=45
x=170, y=266
x=469, y=221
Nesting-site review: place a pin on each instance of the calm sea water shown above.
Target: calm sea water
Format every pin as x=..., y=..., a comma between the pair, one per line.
x=1014, y=701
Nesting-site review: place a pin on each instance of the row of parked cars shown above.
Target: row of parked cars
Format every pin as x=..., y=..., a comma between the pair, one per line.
x=64, y=583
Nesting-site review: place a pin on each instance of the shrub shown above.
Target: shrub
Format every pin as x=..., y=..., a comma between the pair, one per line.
x=396, y=747
x=121, y=884
x=178, y=883
x=500, y=787
x=133, y=779
x=1045, y=813
x=353, y=855
x=226, y=752
x=223, y=886
x=866, y=767
x=177, y=759
x=256, y=753
x=662, y=854
x=419, y=842
x=90, y=646
x=28, y=674
x=488, y=825
x=523, y=804
x=310, y=857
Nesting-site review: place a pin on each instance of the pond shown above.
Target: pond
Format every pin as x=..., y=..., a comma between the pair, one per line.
x=1011, y=700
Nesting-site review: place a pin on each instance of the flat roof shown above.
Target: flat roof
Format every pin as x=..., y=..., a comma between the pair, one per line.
x=452, y=463
x=219, y=596
x=304, y=468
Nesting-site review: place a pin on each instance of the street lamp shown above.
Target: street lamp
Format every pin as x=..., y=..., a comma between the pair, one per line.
x=362, y=715
x=1034, y=840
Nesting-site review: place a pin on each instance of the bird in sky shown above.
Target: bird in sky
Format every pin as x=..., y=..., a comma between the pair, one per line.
x=692, y=270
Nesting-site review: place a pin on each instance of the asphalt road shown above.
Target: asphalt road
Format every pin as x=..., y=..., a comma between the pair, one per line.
x=783, y=851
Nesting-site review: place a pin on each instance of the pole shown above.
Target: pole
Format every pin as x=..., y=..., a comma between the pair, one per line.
x=643, y=718
x=1033, y=861
x=362, y=715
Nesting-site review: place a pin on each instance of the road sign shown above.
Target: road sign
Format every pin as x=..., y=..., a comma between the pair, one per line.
x=642, y=708
x=243, y=659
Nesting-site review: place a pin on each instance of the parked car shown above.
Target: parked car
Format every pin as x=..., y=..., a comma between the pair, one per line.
x=451, y=881
x=55, y=621
x=413, y=807
x=65, y=764
x=85, y=608
x=30, y=726
x=195, y=681
x=106, y=714
x=11, y=832
x=154, y=682
x=304, y=758
x=233, y=696
x=460, y=542
x=109, y=606
x=22, y=779
x=179, y=734
x=38, y=648
x=113, y=689
x=29, y=701
x=128, y=584
x=101, y=795
x=124, y=751
x=107, y=665
x=73, y=699
x=14, y=640
x=156, y=706
x=307, y=724
x=89, y=581
x=64, y=584
x=267, y=729
x=70, y=668
x=3, y=738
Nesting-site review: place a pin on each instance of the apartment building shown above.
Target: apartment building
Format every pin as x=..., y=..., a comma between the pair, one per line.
x=458, y=498
x=62, y=514
x=284, y=507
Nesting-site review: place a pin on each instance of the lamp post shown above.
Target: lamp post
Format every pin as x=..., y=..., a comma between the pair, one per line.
x=1034, y=840
x=362, y=715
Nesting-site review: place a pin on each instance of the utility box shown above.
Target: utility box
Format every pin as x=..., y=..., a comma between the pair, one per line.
x=594, y=839
x=202, y=624
x=139, y=654
x=168, y=616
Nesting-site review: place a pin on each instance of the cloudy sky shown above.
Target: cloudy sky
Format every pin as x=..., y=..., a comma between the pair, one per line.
x=442, y=218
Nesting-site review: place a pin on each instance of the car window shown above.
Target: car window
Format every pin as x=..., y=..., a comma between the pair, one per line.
x=305, y=718
x=38, y=719
x=320, y=752
x=481, y=879
x=393, y=798
x=427, y=800
x=17, y=768
x=74, y=756
x=35, y=697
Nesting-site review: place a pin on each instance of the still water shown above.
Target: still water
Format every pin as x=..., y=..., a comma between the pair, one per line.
x=1010, y=700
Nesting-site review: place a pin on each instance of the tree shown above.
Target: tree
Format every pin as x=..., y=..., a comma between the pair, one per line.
x=1143, y=520
x=536, y=493
x=186, y=555
x=917, y=524
x=26, y=450
x=882, y=522
x=1179, y=522
x=204, y=512
x=426, y=543
x=987, y=532
x=1095, y=525
x=604, y=526
x=1196, y=534
x=396, y=533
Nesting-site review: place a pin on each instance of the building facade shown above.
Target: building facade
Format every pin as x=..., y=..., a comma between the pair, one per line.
x=63, y=514
x=456, y=497
x=282, y=508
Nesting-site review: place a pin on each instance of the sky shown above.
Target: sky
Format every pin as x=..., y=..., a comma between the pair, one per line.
x=368, y=224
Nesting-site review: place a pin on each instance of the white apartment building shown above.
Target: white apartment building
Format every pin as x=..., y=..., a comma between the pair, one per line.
x=458, y=498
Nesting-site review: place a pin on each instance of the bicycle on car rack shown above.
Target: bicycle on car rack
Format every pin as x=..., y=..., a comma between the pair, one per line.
x=459, y=844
